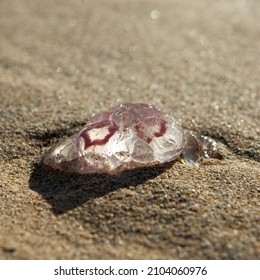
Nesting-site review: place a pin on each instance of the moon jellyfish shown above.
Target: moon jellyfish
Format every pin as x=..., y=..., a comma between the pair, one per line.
x=125, y=137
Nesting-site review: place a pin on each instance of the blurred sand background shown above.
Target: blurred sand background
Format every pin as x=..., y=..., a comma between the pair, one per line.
x=63, y=61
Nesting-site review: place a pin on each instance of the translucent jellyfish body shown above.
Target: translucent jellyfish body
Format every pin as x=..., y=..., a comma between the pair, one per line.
x=124, y=137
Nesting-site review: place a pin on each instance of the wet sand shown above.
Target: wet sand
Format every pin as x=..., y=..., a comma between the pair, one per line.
x=62, y=63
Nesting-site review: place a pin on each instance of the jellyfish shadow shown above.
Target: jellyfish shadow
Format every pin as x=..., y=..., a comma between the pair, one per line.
x=64, y=191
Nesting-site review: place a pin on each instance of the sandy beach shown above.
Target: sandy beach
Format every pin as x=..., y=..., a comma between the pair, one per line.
x=61, y=62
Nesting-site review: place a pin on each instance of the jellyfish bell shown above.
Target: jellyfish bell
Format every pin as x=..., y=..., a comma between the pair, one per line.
x=124, y=137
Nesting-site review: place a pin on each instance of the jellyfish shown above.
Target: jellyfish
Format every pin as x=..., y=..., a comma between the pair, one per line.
x=128, y=136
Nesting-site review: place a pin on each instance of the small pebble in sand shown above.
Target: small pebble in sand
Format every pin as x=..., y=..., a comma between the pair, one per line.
x=127, y=136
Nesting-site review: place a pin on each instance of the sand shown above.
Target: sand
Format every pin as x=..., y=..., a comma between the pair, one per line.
x=63, y=61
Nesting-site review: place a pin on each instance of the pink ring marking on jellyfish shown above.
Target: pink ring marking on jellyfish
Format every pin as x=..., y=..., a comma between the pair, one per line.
x=162, y=130
x=111, y=127
x=142, y=135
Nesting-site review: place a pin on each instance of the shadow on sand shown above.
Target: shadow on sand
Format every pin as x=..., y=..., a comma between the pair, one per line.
x=64, y=191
